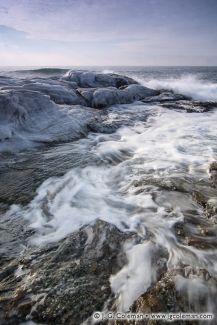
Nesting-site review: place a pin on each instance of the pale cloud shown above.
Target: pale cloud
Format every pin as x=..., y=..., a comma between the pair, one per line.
x=67, y=20
x=108, y=32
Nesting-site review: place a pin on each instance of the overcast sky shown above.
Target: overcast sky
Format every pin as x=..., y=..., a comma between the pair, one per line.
x=108, y=32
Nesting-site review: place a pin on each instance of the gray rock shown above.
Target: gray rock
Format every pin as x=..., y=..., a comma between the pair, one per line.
x=213, y=173
x=138, y=92
x=176, y=292
x=105, y=97
x=92, y=79
x=65, y=282
x=187, y=105
x=166, y=96
x=28, y=118
x=57, y=93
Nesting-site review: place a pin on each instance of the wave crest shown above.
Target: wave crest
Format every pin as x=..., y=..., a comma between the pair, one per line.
x=188, y=85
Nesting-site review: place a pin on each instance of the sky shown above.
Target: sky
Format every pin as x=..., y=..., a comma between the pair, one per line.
x=108, y=32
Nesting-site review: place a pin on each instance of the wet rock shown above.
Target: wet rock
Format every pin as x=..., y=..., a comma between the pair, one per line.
x=208, y=203
x=87, y=94
x=55, y=284
x=7, y=81
x=211, y=209
x=189, y=105
x=166, y=96
x=138, y=92
x=94, y=80
x=105, y=97
x=175, y=292
x=29, y=118
x=31, y=114
x=57, y=93
x=198, y=228
x=213, y=173
x=14, y=236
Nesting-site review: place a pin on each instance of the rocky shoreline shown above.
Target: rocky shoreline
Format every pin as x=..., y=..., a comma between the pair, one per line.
x=55, y=283
x=65, y=281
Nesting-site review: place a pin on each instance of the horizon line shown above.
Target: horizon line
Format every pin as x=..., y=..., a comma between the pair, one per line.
x=66, y=66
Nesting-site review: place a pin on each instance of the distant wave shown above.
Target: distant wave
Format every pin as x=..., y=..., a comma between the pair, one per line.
x=44, y=71
x=188, y=85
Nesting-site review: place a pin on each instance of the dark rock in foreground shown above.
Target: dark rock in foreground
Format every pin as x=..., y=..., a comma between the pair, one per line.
x=65, y=282
x=177, y=291
x=213, y=172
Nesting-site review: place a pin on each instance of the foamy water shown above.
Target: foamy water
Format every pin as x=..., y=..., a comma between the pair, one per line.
x=124, y=189
x=188, y=85
x=131, y=185
x=169, y=144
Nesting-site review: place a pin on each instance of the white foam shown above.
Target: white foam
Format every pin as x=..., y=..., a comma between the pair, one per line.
x=107, y=71
x=63, y=205
x=188, y=85
x=159, y=147
x=134, y=278
x=168, y=144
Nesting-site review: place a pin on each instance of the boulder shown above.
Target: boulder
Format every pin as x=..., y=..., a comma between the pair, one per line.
x=29, y=117
x=86, y=79
x=57, y=93
x=105, y=97
x=139, y=92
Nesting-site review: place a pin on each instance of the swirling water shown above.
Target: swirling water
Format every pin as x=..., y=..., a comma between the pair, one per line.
x=140, y=177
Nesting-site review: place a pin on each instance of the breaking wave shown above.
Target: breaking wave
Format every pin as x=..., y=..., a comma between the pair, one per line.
x=188, y=85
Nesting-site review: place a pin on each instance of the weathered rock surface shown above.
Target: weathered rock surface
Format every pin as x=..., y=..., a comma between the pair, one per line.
x=28, y=117
x=58, y=93
x=198, y=228
x=46, y=110
x=94, y=80
x=186, y=290
x=105, y=97
x=190, y=106
x=166, y=96
x=65, y=282
x=213, y=172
